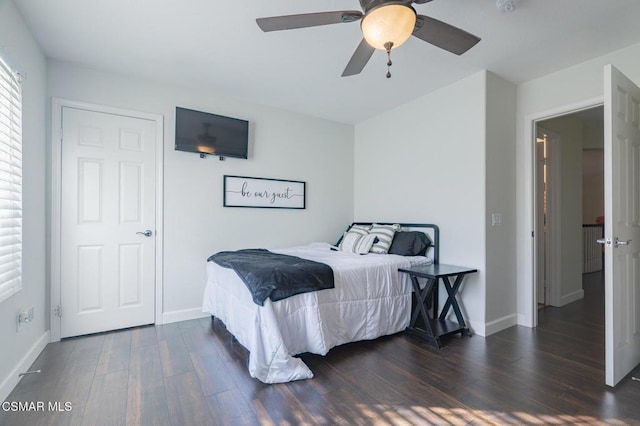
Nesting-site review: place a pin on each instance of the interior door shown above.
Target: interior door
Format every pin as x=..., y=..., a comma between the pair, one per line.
x=108, y=205
x=622, y=224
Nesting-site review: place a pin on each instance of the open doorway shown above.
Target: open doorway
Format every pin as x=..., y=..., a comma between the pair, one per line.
x=569, y=206
x=621, y=145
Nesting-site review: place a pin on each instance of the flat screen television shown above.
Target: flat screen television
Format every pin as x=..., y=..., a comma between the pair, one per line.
x=212, y=134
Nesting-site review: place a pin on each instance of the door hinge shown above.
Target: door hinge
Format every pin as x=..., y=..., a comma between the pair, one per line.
x=58, y=311
x=532, y=234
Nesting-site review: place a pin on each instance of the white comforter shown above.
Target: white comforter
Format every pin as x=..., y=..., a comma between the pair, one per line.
x=370, y=299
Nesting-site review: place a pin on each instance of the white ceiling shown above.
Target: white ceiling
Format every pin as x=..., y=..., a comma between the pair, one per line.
x=216, y=46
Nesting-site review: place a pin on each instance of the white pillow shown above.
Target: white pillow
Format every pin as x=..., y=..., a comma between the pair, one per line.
x=357, y=229
x=354, y=242
x=360, y=229
x=385, y=234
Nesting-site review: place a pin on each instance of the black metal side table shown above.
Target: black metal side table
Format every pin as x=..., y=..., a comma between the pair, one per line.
x=437, y=325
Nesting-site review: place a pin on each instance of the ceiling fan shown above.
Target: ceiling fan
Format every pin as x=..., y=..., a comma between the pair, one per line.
x=385, y=24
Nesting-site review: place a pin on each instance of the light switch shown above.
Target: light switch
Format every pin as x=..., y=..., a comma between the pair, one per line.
x=496, y=219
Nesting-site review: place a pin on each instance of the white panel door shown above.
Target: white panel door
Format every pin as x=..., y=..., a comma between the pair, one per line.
x=622, y=223
x=108, y=201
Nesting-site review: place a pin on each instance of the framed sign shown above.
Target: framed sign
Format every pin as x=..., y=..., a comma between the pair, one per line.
x=243, y=191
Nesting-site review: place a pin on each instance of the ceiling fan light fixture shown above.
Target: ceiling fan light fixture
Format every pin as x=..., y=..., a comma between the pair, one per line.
x=389, y=23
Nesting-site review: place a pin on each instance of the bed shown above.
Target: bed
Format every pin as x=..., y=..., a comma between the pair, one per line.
x=369, y=299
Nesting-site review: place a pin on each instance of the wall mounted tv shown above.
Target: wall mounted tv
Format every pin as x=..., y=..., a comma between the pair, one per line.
x=211, y=134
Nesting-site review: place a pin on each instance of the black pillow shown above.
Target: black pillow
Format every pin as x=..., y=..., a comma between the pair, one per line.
x=410, y=243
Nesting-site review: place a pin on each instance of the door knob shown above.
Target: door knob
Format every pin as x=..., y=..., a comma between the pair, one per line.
x=617, y=242
x=613, y=243
x=146, y=233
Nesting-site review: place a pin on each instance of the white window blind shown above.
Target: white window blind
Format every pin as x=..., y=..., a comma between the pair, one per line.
x=10, y=182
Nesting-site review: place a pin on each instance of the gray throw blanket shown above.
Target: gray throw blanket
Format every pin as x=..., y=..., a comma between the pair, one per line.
x=275, y=275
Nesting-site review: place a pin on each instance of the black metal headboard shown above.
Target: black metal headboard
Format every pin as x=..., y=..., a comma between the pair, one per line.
x=434, y=234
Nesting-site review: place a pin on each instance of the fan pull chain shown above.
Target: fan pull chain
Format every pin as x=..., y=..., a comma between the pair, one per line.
x=388, y=45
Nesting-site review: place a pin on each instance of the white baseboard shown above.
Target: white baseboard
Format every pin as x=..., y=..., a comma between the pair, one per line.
x=571, y=297
x=501, y=324
x=12, y=379
x=524, y=320
x=476, y=328
x=183, y=315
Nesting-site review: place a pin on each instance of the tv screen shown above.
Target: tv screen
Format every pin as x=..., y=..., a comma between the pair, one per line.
x=212, y=134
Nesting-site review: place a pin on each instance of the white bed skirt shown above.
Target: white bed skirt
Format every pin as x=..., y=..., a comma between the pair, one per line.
x=370, y=299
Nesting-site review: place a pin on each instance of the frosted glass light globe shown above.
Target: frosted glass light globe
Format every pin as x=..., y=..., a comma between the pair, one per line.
x=389, y=23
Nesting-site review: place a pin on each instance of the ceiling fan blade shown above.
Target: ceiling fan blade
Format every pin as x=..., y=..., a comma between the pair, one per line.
x=359, y=59
x=290, y=22
x=443, y=35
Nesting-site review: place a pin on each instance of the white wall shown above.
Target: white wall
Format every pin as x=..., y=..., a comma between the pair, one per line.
x=20, y=348
x=593, y=171
x=570, y=129
x=593, y=134
x=500, y=198
x=425, y=162
x=574, y=87
x=283, y=145
x=592, y=185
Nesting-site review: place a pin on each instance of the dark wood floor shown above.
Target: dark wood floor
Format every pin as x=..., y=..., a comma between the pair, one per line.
x=192, y=373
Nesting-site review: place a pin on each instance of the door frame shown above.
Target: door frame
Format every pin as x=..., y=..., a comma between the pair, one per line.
x=529, y=317
x=554, y=224
x=55, y=257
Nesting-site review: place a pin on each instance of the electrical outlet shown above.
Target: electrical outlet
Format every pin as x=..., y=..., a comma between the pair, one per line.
x=24, y=317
